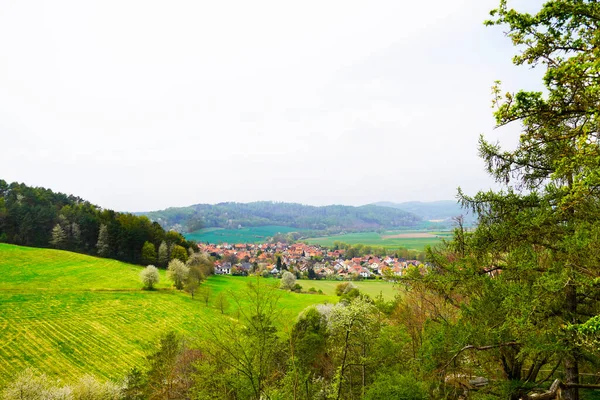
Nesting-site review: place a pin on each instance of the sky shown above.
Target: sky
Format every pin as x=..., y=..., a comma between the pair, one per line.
x=143, y=105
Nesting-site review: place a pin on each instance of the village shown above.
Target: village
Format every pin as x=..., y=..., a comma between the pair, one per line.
x=306, y=261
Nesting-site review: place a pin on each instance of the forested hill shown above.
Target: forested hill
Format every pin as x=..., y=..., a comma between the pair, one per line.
x=443, y=210
x=334, y=217
x=39, y=217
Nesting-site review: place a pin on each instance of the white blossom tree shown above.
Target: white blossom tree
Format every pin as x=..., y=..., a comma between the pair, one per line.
x=59, y=237
x=163, y=254
x=288, y=280
x=178, y=272
x=103, y=244
x=149, y=277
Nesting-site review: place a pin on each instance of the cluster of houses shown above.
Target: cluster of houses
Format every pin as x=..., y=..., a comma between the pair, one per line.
x=310, y=261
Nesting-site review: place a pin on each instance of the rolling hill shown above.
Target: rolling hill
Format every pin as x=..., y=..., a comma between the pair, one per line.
x=437, y=211
x=333, y=218
x=68, y=314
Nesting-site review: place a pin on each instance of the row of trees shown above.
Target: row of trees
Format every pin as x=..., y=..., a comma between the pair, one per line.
x=42, y=218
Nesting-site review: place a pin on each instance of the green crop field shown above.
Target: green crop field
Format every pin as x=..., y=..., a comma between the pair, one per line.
x=68, y=314
x=385, y=239
x=257, y=234
x=373, y=288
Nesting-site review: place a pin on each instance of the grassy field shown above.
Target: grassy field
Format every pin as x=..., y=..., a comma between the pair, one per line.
x=385, y=239
x=68, y=314
x=256, y=234
x=372, y=288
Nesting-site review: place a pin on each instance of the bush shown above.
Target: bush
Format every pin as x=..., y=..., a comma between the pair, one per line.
x=396, y=386
x=149, y=277
x=344, y=288
x=288, y=280
x=297, y=288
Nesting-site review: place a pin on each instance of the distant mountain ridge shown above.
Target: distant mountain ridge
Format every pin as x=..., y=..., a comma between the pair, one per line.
x=443, y=210
x=334, y=218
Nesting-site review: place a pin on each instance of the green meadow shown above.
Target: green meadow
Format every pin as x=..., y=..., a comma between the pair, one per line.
x=68, y=314
x=385, y=239
x=257, y=234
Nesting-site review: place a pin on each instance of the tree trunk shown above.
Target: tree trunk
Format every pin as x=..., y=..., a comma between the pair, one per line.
x=570, y=361
x=571, y=376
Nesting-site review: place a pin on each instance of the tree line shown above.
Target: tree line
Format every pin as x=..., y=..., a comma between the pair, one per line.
x=39, y=217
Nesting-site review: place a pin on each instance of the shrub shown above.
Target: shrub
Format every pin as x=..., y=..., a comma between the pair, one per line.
x=288, y=280
x=149, y=277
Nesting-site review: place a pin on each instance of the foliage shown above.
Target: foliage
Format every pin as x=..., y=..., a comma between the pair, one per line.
x=178, y=273
x=393, y=385
x=148, y=253
x=241, y=355
x=288, y=280
x=103, y=243
x=150, y=277
x=39, y=217
x=31, y=385
x=526, y=273
x=163, y=254
x=266, y=213
x=202, y=263
x=170, y=373
x=59, y=237
x=179, y=252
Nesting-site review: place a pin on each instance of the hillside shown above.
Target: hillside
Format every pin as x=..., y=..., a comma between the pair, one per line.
x=68, y=314
x=442, y=211
x=332, y=218
x=40, y=217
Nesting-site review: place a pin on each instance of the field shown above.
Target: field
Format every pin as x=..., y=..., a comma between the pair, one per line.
x=416, y=240
x=257, y=234
x=372, y=288
x=68, y=314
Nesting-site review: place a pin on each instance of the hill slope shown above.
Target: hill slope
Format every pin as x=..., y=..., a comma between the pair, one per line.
x=68, y=314
x=263, y=213
x=443, y=210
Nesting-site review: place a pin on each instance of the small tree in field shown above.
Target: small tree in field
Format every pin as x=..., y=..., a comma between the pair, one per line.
x=222, y=302
x=288, y=280
x=205, y=293
x=149, y=277
x=178, y=273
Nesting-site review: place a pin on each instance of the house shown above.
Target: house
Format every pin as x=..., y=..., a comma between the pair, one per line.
x=223, y=269
x=365, y=273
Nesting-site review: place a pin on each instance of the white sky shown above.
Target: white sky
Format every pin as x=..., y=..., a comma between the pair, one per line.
x=142, y=105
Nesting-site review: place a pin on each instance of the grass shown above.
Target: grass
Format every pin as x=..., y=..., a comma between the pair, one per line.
x=68, y=314
x=257, y=234
x=377, y=239
x=370, y=287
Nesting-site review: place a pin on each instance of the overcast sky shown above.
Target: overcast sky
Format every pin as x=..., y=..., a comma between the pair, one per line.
x=142, y=105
